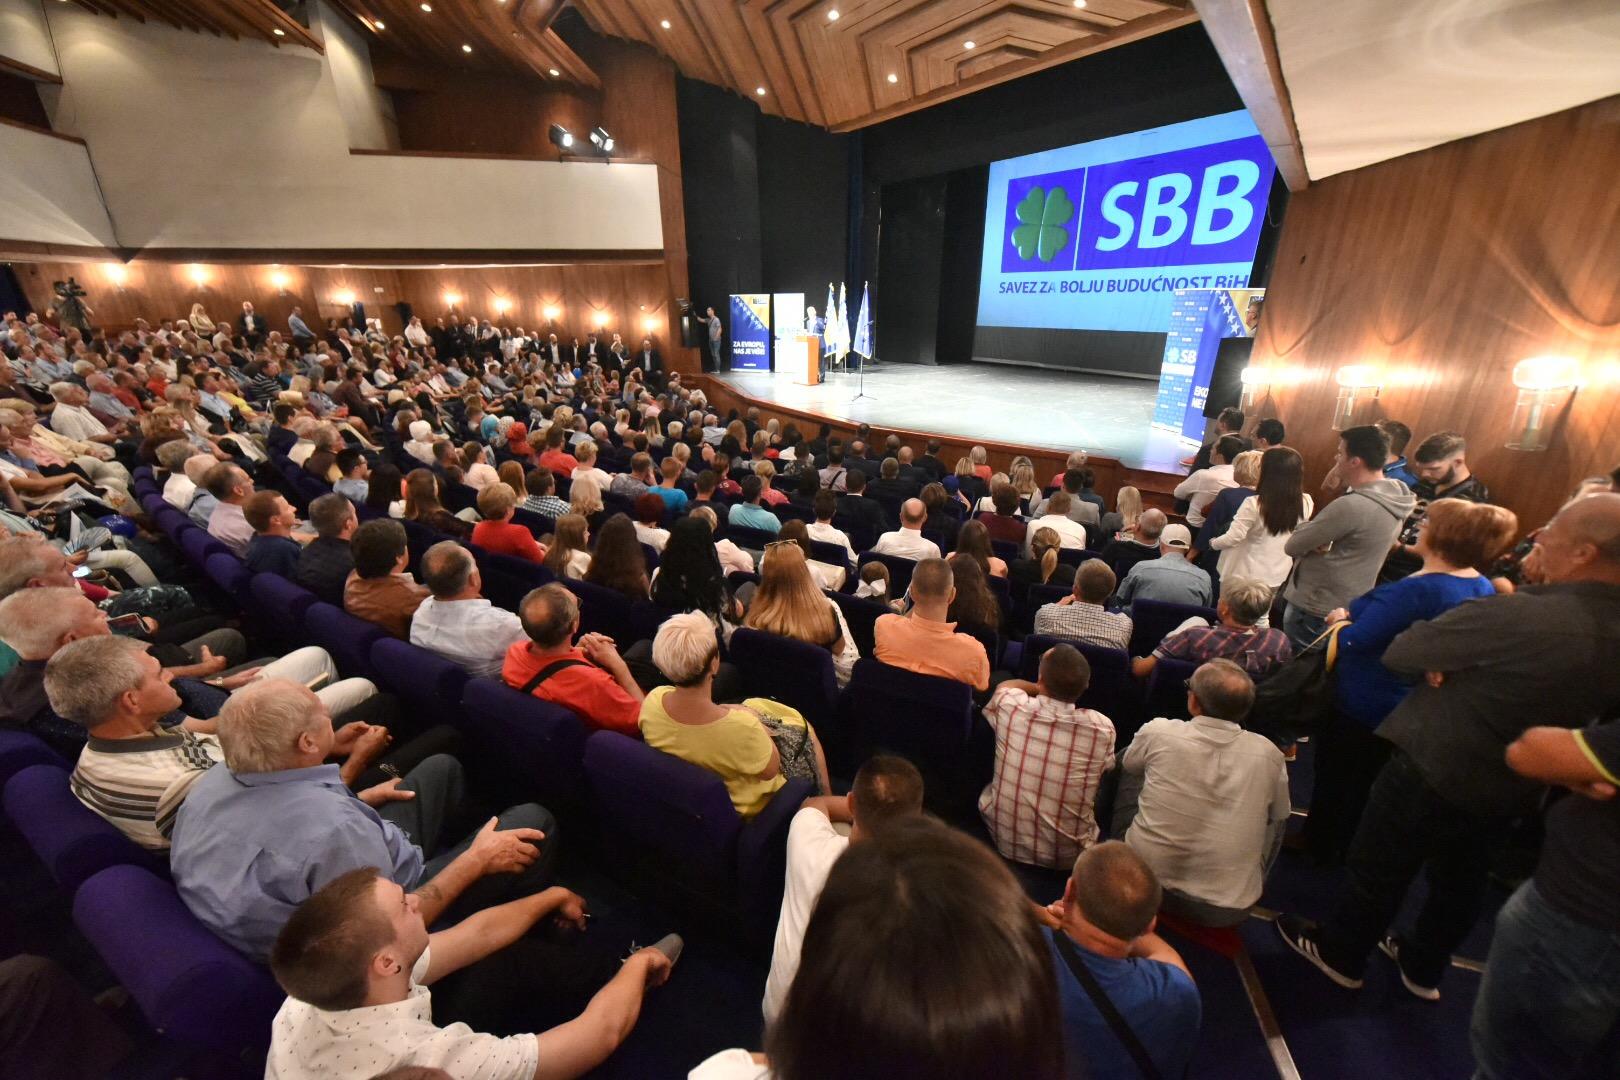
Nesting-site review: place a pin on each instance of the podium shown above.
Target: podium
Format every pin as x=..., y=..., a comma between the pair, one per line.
x=799, y=357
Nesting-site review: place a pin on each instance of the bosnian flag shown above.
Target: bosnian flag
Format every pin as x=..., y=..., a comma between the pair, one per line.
x=863, y=324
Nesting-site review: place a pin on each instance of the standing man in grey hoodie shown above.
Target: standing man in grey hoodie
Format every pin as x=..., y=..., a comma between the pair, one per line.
x=1337, y=553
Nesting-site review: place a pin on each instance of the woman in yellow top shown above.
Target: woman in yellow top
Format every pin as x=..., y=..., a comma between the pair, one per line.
x=731, y=741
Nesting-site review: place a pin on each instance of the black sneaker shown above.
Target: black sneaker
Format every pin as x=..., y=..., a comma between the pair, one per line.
x=1391, y=947
x=1299, y=934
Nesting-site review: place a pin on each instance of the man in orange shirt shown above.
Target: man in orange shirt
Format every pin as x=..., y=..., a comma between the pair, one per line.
x=554, y=457
x=924, y=641
x=589, y=678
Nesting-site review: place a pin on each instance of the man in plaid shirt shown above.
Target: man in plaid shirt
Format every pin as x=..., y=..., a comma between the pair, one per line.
x=1081, y=616
x=1050, y=757
x=1259, y=650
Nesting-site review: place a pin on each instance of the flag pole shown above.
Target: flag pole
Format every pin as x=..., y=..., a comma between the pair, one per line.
x=860, y=391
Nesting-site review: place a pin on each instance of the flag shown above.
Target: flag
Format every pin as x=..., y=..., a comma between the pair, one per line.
x=829, y=338
x=863, y=324
x=842, y=348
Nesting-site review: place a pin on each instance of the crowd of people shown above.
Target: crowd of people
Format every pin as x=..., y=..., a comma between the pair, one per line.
x=319, y=825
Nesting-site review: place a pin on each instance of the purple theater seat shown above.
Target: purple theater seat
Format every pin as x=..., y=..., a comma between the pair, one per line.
x=507, y=580
x=538, y=745
x=928, y=720
x=900, y=569
x=1166, y=693
x=197, y=545
x=190, y=986
x=226, y=571
x=1076, y=556
x=1151, y=620
x=281, y=606
x=20, y=750
x=71, y=840
x=421, y=679
x=676, y=823
x=152, y=502
x=1114, y=691
x=862, y=616
x=603, y=611
x=788, y=671
x=745, y=537
x=347, y=638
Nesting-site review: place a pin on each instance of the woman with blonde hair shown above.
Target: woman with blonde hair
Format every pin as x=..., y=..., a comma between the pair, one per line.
x=585, y=498
x=789, y=604
x=1043, y=567
x=1128, y=504
x=1022, y=478
x=981, y=462
x=765, y=469
x=752, y=746
x=200, y=321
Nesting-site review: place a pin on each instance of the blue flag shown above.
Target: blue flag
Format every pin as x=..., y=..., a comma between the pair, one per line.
x=829, y=340
x=863, y=324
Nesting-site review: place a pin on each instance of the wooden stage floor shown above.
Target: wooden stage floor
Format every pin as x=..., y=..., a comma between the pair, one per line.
x=1035, y=407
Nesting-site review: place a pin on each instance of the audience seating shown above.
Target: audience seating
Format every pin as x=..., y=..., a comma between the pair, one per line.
x=789, y=671
x=227, y=572
x=189, y=985
x=752, y=539
x=862, y=615
x=1113, y=691
x=71, y=840
x=197, y=545
x=426, y=680
x=603, y=611
x=281, y=606
x=1152, y=620
x=536, y=746
x=900, y=569
x=674, y=823
x=507, y=579
x=1166, y=693
x=347, y=638
x=926, y=719
x=20, y=750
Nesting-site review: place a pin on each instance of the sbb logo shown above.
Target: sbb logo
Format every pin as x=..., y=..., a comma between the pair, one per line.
x=1199, y=206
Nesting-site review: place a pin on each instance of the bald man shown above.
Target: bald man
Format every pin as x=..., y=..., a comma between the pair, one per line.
x=907, y=541
x=1546, y=655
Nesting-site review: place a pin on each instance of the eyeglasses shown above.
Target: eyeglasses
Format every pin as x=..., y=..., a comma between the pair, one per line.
x=781, y=543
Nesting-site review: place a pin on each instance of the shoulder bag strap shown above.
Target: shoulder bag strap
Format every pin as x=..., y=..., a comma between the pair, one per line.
x=547, y=672
x=1099, y=998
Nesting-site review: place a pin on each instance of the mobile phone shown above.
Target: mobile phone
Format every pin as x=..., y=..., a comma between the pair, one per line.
x=131, y=621
x=83, y=572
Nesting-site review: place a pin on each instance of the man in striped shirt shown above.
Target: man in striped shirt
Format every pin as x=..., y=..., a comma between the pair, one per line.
x=1050, y=758
x=132, y=772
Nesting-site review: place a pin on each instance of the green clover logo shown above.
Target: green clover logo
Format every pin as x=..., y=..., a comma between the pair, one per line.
x=1044, y=215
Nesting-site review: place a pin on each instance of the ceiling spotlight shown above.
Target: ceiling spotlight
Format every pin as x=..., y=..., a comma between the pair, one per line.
x=1079, y=3
x=832, y=15
x=760, y=90
x=664, y=23
x=893, y=77
x=466, y=48
x=561, y=137
x=969, y=44
x=602, y=140
x=379, y=24
x=428, y=8
x=555, y=74
x=278, y=31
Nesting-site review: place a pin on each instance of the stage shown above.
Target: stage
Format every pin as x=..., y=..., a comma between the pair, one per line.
x=1056, y=410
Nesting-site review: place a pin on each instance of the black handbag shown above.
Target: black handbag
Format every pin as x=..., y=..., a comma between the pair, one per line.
x=1297, y=698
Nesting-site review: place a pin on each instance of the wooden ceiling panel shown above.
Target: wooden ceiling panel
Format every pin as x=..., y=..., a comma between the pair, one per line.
x=226, y=18
x=476, y=36
x=836, y=73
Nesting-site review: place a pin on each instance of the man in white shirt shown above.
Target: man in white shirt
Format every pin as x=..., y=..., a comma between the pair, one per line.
x=1071, y=534
x=887, y=789
x=177, y=488
x=1206, y=803
x=1201, y=487
x=456, y=622
x=227, y=524
x=823, y=530
x=356, y=961
x=907, y=541
x=72, y=419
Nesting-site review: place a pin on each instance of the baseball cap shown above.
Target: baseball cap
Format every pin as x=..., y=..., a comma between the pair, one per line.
x=1176, y=536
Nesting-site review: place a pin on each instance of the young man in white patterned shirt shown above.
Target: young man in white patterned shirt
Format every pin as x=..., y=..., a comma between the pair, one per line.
x=1081, y=616
x=1050, y=757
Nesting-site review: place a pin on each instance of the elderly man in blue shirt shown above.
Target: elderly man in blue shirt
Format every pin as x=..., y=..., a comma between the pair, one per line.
x=265, y=829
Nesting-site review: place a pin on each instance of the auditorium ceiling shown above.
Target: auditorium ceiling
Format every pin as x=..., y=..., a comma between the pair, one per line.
x=228, y=18
x=476, y=36
x=844, y=64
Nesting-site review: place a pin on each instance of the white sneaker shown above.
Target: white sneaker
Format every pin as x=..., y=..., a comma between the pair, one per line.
x=1391, y=947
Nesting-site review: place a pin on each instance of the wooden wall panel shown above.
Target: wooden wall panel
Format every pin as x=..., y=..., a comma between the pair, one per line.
x=629, y=299
x=1445, y=268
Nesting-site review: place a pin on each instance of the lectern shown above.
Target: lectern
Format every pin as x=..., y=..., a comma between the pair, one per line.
x=799, y=358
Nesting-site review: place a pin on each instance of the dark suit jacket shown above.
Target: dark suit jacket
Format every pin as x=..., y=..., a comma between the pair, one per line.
x=866, y=465
x=255, y=331
x=891, y=489
x=866, y=511
x=649, y=363
x=914, y=475
x=934, y=467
